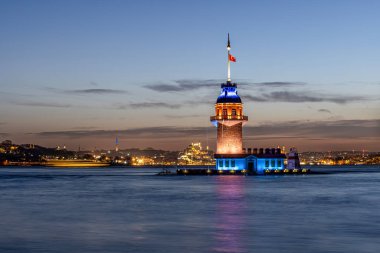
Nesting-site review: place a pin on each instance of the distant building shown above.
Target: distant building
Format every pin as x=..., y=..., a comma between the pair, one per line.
x=116, y=145
x=6, y=143
x=195, y=155
x=229, y=120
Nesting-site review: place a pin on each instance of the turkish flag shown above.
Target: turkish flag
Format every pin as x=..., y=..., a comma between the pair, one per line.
x=231, y=58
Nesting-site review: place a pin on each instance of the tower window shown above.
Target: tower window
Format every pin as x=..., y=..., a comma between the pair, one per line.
x=220, y=163
x=278, y=163
x=266, y=163
x=232, y=163
x=227, y=163
x=272, y=164
x=233, y=112
x=224, y=112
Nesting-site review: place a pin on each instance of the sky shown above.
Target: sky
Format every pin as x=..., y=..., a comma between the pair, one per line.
x=81, y=73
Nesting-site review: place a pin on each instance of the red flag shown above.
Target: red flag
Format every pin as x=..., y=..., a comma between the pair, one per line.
x=231, y=58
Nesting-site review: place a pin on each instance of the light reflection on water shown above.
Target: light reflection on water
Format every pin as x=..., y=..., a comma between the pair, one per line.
x=130, y=210
x=231, y=214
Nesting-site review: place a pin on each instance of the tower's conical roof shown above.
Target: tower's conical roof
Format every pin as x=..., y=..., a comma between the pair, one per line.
x=228, y=93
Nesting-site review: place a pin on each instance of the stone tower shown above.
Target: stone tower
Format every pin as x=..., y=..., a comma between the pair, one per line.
x=229, y=118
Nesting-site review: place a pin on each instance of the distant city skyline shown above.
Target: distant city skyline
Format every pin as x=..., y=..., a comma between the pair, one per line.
x=83, y=73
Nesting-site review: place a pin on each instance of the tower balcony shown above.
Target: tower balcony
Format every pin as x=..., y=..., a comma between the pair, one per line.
x=228, y=120
x=229, y=117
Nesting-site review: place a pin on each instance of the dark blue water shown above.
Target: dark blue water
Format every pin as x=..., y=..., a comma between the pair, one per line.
x=131, y=210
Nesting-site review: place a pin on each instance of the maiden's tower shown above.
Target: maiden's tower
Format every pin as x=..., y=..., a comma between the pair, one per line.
x=229, y=120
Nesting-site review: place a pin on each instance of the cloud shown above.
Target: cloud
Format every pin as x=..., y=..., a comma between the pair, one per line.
x=188, y=84
x=95, y=91
x=163, y=87
x=147, y=105
x=251, y=98
x=184, y=116
x=274, y=96
x=84, y=128
x=324, y=110
x=4, y=134
x=184, y=85
x=302, y=97
x=280, y=84
x=42, y=104
x=346, y=129
x=339, y=129
x=154, y=105
x=133, y=133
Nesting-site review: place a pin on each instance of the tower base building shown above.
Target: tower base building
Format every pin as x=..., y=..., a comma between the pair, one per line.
x=271, y=160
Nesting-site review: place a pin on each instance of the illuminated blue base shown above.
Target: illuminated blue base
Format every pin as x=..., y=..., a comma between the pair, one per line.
x=251, y=163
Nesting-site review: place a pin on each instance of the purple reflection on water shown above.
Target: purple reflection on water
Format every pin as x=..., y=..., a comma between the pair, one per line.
x=231, y=214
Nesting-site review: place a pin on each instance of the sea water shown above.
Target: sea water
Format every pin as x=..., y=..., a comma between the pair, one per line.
x=132, y=210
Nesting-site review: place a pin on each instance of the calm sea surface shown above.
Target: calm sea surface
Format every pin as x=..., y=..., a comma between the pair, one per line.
x=132, y=210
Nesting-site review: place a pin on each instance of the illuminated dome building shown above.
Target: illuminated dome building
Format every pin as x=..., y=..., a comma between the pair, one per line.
x=229, y=120
x=195, y=155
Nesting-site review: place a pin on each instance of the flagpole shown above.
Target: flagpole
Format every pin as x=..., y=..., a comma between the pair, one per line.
x=228, y=61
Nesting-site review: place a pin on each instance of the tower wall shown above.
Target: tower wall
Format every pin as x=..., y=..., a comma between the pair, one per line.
x=230, y=139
